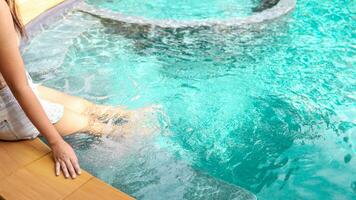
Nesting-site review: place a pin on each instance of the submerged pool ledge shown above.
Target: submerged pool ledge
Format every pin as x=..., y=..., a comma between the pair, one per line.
x=26, y=167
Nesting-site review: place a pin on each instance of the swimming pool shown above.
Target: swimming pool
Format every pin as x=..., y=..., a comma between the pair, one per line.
x=269, y=108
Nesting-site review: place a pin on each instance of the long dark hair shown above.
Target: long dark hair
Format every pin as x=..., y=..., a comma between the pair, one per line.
x=16, y=17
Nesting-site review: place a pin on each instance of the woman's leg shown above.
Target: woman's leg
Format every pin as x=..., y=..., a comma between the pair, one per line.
x=79, y=105
x=73, y=103
x=72, y=122
x=142, y=121
x=82, y=115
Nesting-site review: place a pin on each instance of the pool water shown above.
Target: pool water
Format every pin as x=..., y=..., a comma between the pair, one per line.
x=180, y=10
x=266, y=110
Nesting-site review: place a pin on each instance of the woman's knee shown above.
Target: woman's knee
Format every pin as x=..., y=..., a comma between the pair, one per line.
x=78, y=105
x=71, y=122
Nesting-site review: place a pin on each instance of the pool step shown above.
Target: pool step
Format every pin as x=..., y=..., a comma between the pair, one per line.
x=282, y=8
x=219, y=189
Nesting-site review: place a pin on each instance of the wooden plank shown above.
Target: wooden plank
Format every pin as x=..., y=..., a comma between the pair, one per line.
x=36, y=179
x=43, y=169
x=39, y=145
x=23, y=185
x=7, y=164
x=14, y=155
x=97, y=189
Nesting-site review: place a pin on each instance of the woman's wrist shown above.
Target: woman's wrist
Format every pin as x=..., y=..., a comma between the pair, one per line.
x=54, y=139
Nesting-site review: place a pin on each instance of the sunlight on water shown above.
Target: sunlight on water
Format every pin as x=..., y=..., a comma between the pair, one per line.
x=269, y=108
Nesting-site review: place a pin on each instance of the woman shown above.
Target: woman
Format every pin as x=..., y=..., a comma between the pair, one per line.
x=27, y=110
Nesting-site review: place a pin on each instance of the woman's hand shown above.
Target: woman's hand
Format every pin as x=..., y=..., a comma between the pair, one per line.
x=65, y=159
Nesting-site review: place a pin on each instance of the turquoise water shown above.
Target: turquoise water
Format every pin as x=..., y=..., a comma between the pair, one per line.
x=268, y=108
x=179, y=10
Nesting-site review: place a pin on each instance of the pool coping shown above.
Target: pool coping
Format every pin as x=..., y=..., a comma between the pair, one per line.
x=282, y=8
x=27, y=168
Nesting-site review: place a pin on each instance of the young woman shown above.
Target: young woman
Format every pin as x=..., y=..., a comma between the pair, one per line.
x=27, y=110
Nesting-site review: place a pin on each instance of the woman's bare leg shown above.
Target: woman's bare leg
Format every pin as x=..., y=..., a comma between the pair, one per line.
x=72, y=122
x=82, y=115
x=77, y=104
x=79, y=115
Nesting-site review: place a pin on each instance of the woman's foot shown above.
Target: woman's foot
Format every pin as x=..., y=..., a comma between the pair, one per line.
x=106, y=113
x=142, y=121
x=115, y=121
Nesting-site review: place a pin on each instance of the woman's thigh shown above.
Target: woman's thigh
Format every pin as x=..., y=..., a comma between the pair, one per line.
x=71, y=122
x=76, y=104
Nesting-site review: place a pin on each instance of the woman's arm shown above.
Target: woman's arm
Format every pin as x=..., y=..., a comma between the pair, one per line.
x=12, y=69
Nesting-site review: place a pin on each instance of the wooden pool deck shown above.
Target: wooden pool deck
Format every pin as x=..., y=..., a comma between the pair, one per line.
x=26, y=167
x=27, y=173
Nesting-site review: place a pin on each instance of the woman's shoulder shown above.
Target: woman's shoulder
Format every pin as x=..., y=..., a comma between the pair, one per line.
x=5, y=17
x=5, y=14
x=4, y=7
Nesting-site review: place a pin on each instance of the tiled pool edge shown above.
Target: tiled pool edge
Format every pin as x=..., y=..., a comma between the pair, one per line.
x=19, y=157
